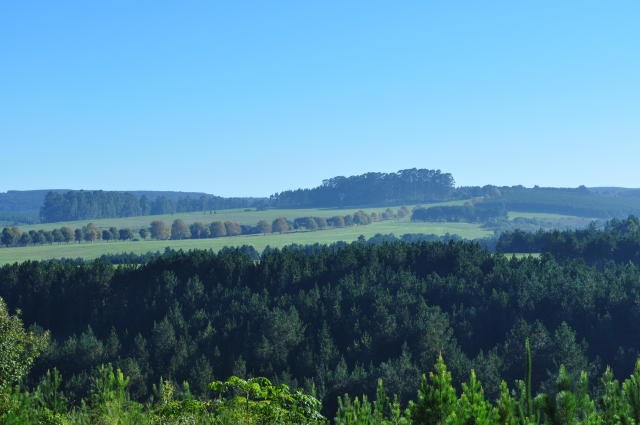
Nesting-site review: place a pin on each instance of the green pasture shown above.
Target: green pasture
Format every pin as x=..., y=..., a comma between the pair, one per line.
x=240, y=216
x=96, y=249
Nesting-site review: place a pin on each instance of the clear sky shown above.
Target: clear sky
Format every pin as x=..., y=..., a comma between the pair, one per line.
x=252, y=97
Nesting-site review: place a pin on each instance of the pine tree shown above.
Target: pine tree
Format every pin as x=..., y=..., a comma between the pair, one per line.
x=436, y=397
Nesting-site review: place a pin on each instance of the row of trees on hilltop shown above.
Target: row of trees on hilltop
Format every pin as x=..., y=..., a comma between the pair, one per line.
x=160, y=230
x=405, y=186
x=83, y=205
x=180, y=230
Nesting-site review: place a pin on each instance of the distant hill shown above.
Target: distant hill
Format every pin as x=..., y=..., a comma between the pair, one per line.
x=81, y=204
x=23, y=206
x=50, y=205
x=24, y=200
x=32, y=200
x=409, y=187
x=581, y=201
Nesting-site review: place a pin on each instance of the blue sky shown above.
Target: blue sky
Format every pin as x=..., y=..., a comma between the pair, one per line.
x=248, y=98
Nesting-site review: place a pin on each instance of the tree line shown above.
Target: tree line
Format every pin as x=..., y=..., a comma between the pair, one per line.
x=13, y=236
x=471, y=213
x=180, y=230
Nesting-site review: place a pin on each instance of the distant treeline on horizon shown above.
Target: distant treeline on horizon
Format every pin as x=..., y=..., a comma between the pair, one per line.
x=405, y=187
x=80, y=205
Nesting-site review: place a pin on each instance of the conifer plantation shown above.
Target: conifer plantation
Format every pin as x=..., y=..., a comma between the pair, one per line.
x=347, y=334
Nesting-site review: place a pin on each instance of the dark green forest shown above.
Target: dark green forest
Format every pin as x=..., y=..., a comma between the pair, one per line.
x=333, y=319
x=405, y=186
x=581, y=201
x=618, y=241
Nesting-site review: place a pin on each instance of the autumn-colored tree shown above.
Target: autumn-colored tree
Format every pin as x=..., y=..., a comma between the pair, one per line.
x=280, y=225
x=159, y=230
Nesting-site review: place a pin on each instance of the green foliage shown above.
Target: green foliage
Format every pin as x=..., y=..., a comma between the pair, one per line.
x=571, y=404
x=80, y=204
x=524, y=412
x=631, y=394
x=179, y=229
x=18, y=351
x=436, y=397
x=258, y=401
x=472, y=408
x=332, y=318
x=506, y=407
x=412, y=185
x=49, y=395
x=360, y=411
x=611, y=403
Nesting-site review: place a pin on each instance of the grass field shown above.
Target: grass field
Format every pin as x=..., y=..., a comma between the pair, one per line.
x=542, y=216
x=397, y=227
x=93, y=250
x=240, y=216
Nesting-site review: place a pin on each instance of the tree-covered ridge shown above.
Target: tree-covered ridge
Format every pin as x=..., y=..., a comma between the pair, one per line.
x=409, y=186
x=618, y=241
x=80, y=204
x=580, y=201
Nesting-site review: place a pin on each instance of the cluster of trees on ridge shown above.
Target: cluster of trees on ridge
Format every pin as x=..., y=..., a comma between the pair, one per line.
x=410, y=186
x=328, y=319
x=159, y=230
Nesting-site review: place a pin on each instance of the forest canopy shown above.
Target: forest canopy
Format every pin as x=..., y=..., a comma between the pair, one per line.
x=330, y=319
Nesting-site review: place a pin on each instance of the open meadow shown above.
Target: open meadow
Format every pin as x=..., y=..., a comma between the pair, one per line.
x=249, y=216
